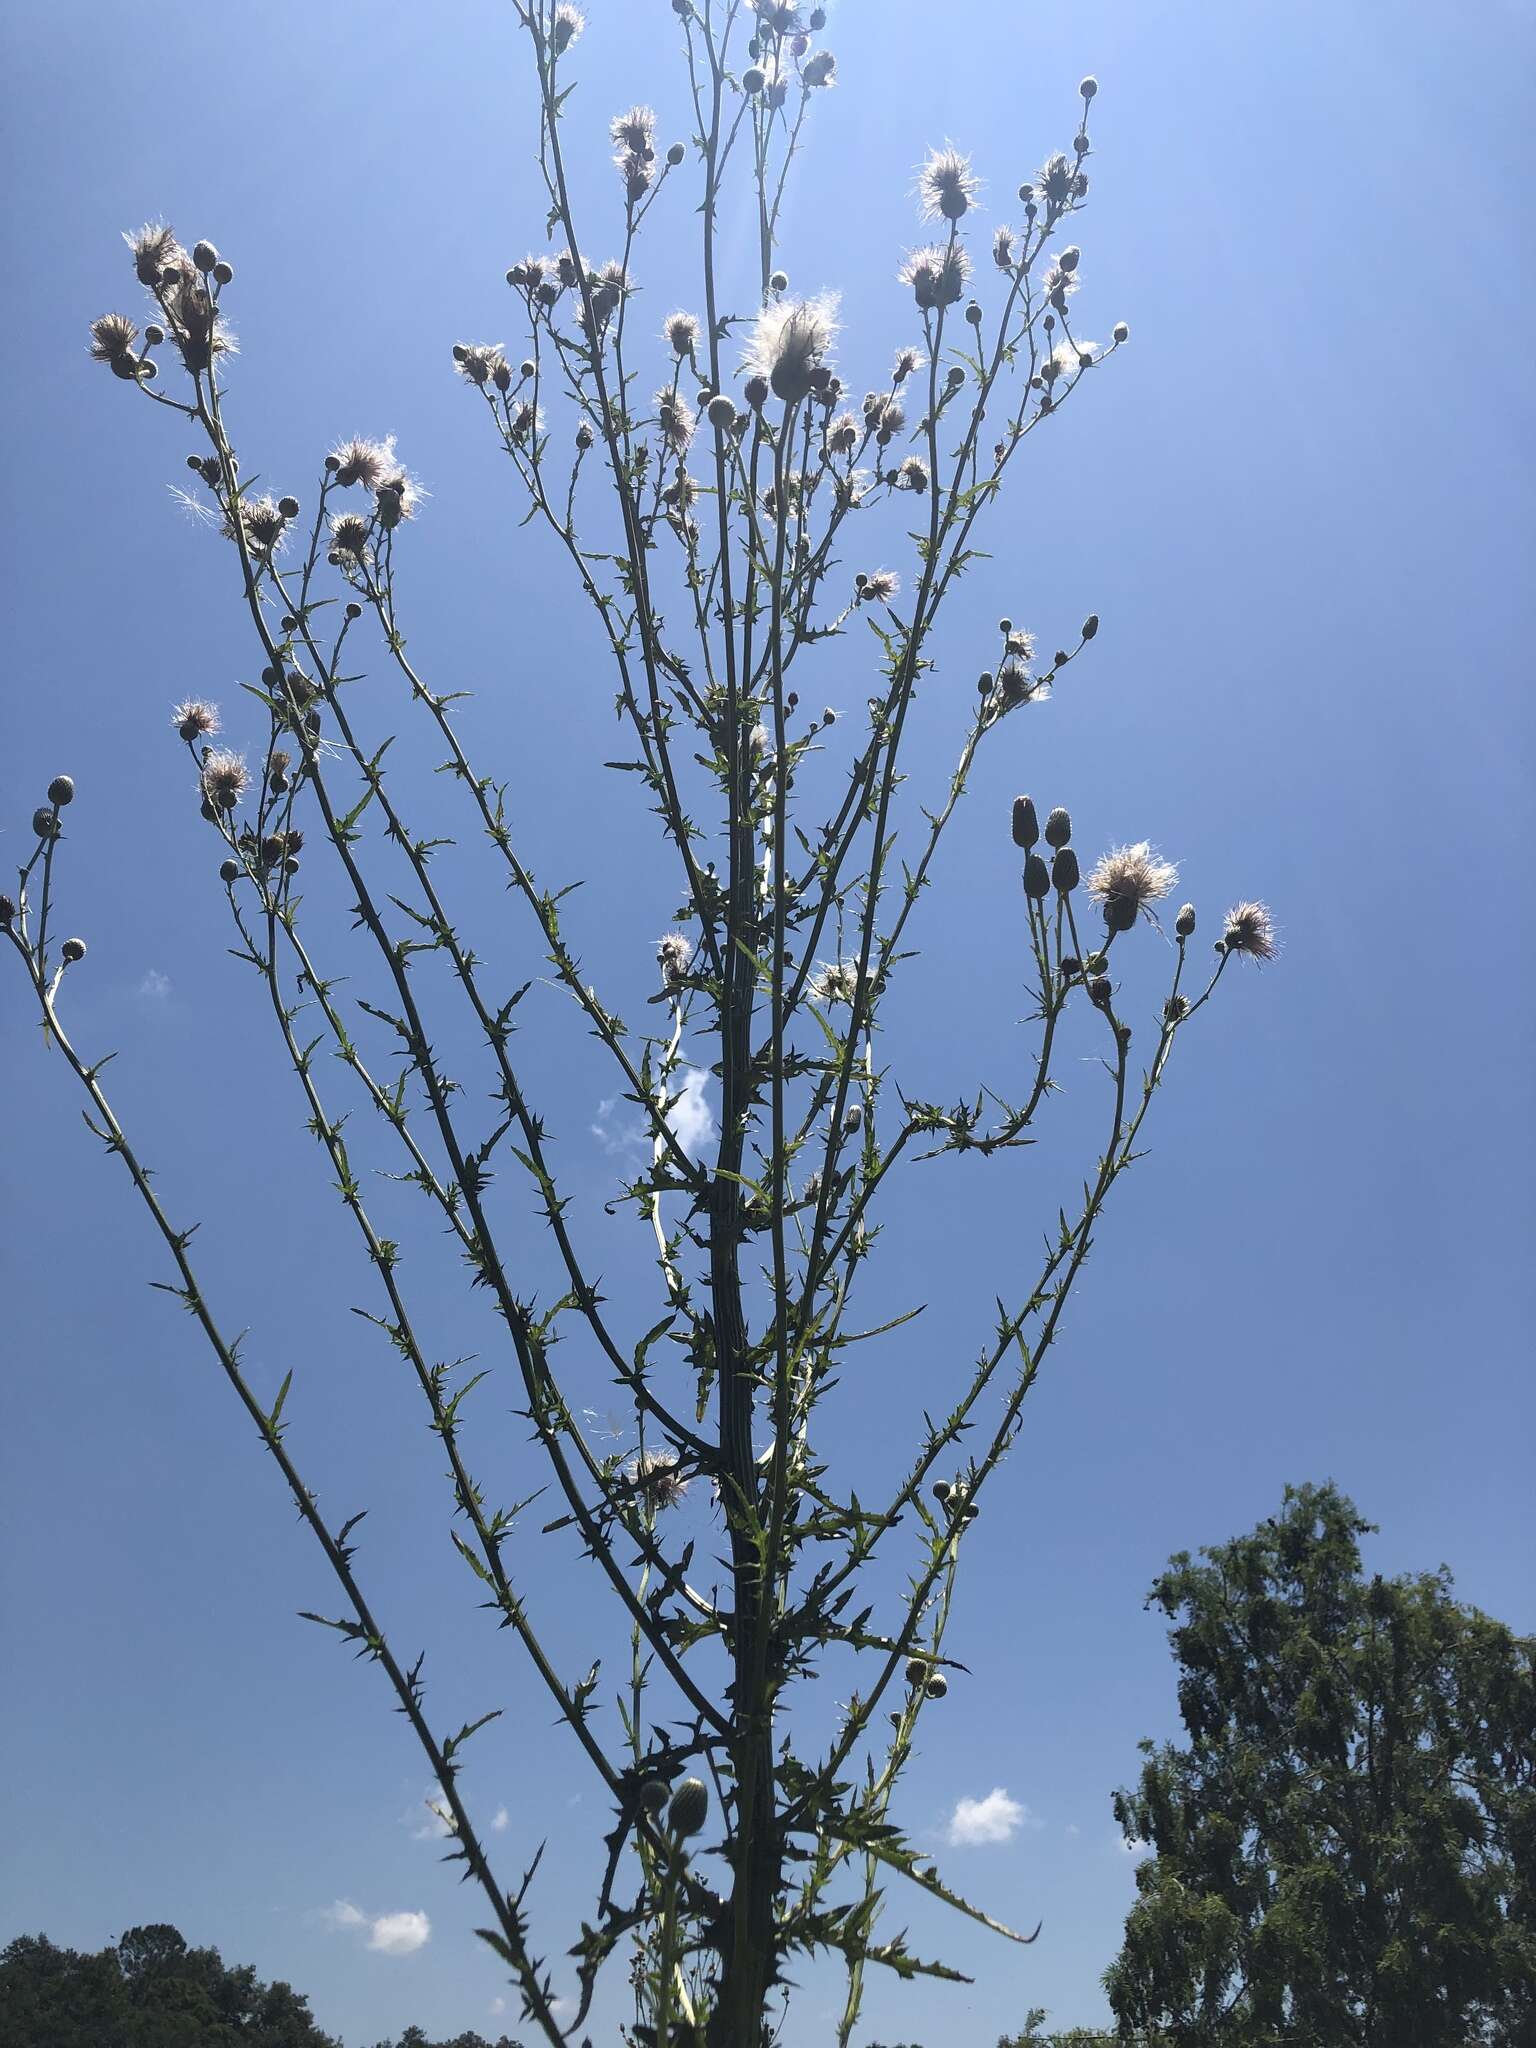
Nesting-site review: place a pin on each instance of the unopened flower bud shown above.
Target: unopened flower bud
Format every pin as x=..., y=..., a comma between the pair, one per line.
x=61, y=790
x=1088, y=88
x=721, y=412
x=917, y=1671
x=753, y=79
x=853, y=1118
x=1058, y=827
x=755, y=392
x=584, y=435
x=1098, y=963
x=676, y=154
x=690, y=1807
x=779, y=282
x=1037, y=878
x=1070, y=967
x=44, y=823
x=654, y=1794
x=7, y=912
x=942, y=1489
x=1090, y=625
x=1184, y=923
x=1099, y=991
x=204, y=255
x=1064, y=871
x=1026, y=824
x=1121, y=331
x=289, y=507
x=938, y=1685
x=73, y=950
x=154, y=334
x=229, y=871
x=223, y=273
x=1069, y=259
x=973, y=313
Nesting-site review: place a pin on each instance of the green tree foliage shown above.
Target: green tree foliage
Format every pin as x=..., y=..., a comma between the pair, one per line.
x=1345, y=1850
x=150, y=1991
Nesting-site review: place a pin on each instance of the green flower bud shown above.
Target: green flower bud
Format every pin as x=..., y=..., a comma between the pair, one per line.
x=1026, y=825
x=690, y=1807
x=1184, y=923
x=73, y=950
x=1058, y=827
x=61, y=790
x=1064, y=872
x=1037, y=878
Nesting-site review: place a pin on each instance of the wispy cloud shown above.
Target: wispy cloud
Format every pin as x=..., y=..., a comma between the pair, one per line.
x=387, y=1934
x=155, y=987
x=501, y=1820
x=977, y=1822
x=690, y=1119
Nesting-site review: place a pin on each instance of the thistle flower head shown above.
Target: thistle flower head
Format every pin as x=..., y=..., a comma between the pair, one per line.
x=479, y=362
x=819, y=69
x=835, y=982
x=113, y=337
x=568, y=24
x=397, y=497
x=262, y=522
x=843, y=434
x=674, y=950
x=913, y=475
x=656, y=1480
x=526, y=421
x=365, y=462
x=884, y=415
x=1004, y=254
x=1067, y=358
x=789, y=341
x=1127, y=880
x=880, y=587
x=1055, y=179
x=224, y=778
x=200, y=333
x=349, y=535
x=634, y=131
x=945, y=185
x=1020, y=644
x=680, y=331
x=937, y=274
x=195, y=720
x=1250, y=929
x=1015, y=685
x=677, y=420
x=155, y=250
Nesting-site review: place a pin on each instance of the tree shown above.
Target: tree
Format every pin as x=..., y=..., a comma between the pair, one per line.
x=149, y=1991
x=1345, y=1849
x=726, y=533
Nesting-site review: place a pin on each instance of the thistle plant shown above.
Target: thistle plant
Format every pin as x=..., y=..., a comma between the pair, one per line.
x=728, y=506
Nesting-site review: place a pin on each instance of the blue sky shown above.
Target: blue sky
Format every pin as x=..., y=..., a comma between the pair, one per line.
x=1301, y=502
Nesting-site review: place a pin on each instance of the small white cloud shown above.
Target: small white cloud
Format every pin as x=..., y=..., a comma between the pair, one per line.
x=431, y=1820
x=389, y=1934
x=154, y=988
x=400, y=1934
x=498, y=2005
x=975, y=1822
x=1072, y=1828
x=501, y=1820
x=691, y=1118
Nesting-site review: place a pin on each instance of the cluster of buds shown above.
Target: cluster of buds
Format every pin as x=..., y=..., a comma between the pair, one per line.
x=921, y=1676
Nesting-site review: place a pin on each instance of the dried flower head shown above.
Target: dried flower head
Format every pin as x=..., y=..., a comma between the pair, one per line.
x=262, y=522
x=1015, y=685
x=677, y=420
x=674, y=950
x=1020, y=644
x=819, y=69
x=155, y=250
x=526, y=421
x=912, y=475
x=884, y=415
x=113, y=337
x=224, y=779
x=200, y=334
x=907, y=360
x=365, y=462
x=1250, y=929
x=568, y=24
x=936, y=274
x=635, y=131
x=479, y=361
x=1127, y=880
x=1004, y=254
x=195, y=720
x=881, y=587
x=349, y=535
x=655, y=1479
x=789, y=341
x=1055, y=179
x=835, y=982
x=945, y=185
x=680, y=331
x=843, y=434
